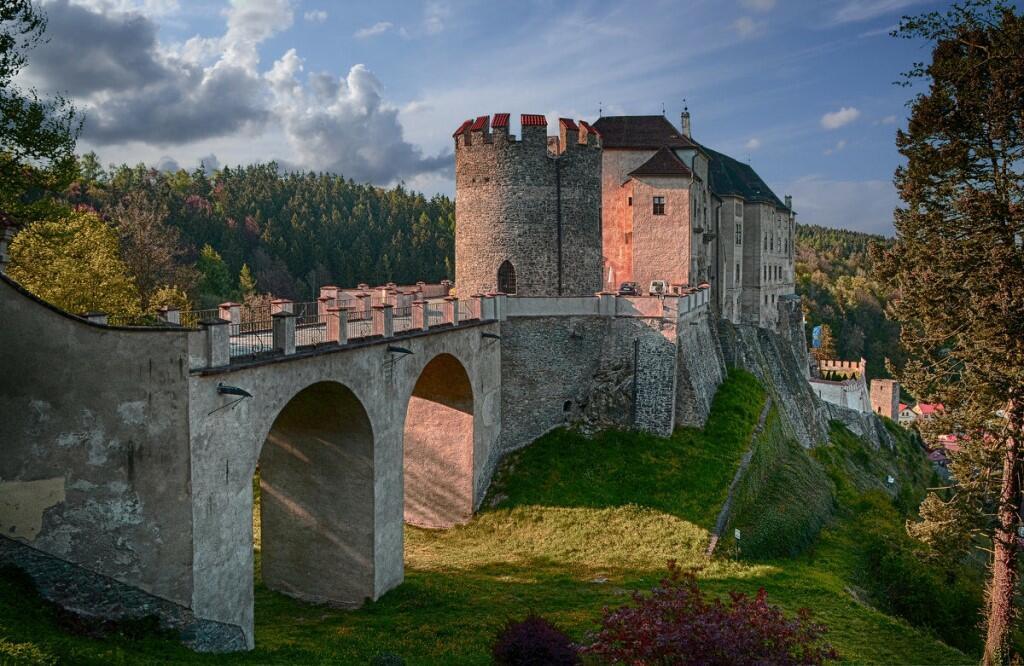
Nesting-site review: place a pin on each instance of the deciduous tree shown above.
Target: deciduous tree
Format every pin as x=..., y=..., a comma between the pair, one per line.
x=37, y=135
x=74, y=263
x=957, y=270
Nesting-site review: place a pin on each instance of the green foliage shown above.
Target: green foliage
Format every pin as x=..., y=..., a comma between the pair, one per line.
x=214, y=279
x=74, y=263
x=294, y=231
x=37, y=136
x=633, y=468
x=783, y=499
x=833, y=268
x=246, y=283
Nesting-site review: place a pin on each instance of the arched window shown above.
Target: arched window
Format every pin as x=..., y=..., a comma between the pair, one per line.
x=507, y=278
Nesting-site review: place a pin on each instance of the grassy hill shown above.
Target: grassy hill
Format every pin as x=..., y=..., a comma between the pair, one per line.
x=573, y=524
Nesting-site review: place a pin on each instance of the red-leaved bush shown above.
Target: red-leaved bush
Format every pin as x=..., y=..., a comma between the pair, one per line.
x=677, y=624
x=533, y=642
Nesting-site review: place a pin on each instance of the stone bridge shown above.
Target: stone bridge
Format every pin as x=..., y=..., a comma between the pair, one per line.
x=130, y=453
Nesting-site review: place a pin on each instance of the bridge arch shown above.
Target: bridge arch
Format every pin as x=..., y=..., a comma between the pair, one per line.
x=317, y=498
x=438, y=446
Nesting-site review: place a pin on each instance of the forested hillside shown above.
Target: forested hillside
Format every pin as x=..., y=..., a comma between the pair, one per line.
x=833, y=275
x=295, y=231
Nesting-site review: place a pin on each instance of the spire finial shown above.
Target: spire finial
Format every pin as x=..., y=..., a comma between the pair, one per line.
x=663, y=108
x=600, y=109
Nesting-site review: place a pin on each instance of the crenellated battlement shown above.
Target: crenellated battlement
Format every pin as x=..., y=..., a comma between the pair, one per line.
x=485, y=130
x=855, y=368
x=528, y=208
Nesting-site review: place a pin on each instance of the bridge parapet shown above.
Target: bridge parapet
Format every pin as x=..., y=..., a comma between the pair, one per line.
x=328, y=323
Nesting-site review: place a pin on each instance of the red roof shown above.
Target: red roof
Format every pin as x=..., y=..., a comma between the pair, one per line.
x=903, y=406
x=590, y=128
x=533, y=120
x=463, y=127
x=929, y=408
x=500, y=120
x=568, y=123
x=481, y=124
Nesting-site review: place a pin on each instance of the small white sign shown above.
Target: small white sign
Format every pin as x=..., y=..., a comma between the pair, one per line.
x=890, y=479
x=736, y=533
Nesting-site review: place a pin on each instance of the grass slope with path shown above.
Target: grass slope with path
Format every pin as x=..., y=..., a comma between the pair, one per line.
x=571, y=524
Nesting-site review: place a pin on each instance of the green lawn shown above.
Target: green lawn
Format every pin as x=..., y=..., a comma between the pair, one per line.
x=572, y=524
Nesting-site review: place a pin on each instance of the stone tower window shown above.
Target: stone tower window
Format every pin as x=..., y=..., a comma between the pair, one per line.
x=659, y=205
x=629, y=201
x=507, y=278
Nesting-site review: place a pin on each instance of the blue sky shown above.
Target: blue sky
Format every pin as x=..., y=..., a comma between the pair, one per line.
x=373, y=90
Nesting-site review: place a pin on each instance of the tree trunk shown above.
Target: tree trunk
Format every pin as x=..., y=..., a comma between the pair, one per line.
x=1003, y=583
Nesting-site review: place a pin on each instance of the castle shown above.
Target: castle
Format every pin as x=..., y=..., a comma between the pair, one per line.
x=126, y=480
x=625, y=199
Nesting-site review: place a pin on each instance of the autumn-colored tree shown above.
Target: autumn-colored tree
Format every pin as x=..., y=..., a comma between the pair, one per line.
x=151, y=248
x=826, y=349
x=957, y=272
x=74, y=263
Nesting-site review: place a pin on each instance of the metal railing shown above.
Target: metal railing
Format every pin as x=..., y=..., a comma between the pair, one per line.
x=360, y=328
x=311, y=330
x=191, y=318
x=250, y=338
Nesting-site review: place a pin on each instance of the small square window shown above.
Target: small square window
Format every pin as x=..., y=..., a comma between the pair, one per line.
x=659, y=205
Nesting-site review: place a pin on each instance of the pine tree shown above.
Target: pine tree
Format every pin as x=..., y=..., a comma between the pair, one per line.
x=957, y=269
x=246, y=283
x=215, y=280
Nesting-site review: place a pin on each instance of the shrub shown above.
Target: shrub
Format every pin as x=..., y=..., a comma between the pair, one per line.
x=677, y=624
x=533, y=642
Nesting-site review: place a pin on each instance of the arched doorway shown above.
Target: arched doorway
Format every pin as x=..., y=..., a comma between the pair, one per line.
x=507, y=277
x=316, y=509
x=438, y=446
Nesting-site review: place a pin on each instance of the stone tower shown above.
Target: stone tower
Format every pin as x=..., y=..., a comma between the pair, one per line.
x=885, y=398
x=528, y=212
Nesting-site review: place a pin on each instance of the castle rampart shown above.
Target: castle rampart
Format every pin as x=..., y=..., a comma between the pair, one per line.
x=527, y=213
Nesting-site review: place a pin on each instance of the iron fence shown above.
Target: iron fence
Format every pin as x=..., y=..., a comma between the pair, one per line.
x=311, y=330
x=192, y=318
x=469, y=309
x=360, y=328
x=251, y=338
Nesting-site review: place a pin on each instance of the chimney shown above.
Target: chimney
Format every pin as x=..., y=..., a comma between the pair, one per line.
x=789, y=201
x=685, y=122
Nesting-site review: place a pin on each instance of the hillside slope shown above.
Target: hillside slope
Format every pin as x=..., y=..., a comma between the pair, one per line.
x=571, y=525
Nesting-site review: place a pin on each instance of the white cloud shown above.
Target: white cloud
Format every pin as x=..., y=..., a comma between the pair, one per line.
x=747, y=27
x=759, y=5
x=864, y=205
x=315, y=16
x=753, y=144
x=343, y=125
x=888, y=120
x=836, y=119
x=376, y=29
x=434, y=17
x=862, y=10
x=838, y=147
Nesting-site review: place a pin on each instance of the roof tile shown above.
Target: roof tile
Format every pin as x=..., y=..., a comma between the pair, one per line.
x=533, y=120
x=500, y=120
x=662, y=163
x=463, y=127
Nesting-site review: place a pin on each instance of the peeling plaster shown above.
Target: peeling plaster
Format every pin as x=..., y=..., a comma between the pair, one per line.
x=22, y=504
x=132, y=413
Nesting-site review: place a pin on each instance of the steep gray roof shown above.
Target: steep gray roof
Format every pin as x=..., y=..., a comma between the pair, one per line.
x=730, y=177
x=646, y=132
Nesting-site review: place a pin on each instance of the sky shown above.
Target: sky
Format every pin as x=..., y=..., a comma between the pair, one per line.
x=804, y=90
